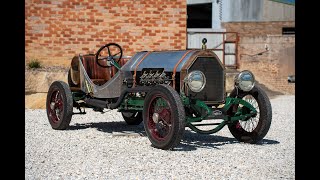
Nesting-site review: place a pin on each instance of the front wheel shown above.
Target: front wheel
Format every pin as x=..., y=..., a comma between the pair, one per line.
x=163, y=117
x=254, y=129
x=59, y=105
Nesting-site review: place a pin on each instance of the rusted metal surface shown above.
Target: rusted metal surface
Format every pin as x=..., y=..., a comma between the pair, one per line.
x=184, y=69
x=175, y=68
x=162, y=59
x=191, y=61
x=168, y=60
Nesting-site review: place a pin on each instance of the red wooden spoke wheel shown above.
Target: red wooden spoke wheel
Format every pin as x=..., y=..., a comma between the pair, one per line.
x=59, y=105
x=159, y=119
x=164, y=117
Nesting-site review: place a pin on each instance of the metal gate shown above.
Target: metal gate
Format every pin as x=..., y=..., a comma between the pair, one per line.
x=224, y=44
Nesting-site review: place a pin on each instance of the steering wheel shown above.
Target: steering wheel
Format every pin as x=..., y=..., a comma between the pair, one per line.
x=114, y=52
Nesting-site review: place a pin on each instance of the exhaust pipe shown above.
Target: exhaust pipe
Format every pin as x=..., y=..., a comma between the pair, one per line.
x=96, y=102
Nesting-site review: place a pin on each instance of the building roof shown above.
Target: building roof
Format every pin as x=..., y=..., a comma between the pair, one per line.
x=291, y=2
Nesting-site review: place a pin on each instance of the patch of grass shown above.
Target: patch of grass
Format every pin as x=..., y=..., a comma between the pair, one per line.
x=34, y=64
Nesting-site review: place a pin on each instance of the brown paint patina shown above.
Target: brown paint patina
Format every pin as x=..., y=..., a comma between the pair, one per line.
x=135, y=70
x=176, y=66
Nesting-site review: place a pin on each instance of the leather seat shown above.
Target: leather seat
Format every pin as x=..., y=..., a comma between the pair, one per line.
x=99, y=75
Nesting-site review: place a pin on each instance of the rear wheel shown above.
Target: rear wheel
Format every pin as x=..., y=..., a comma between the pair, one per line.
x=132, y=118
x=59, y=105
x=164, y=117
x=254, y=129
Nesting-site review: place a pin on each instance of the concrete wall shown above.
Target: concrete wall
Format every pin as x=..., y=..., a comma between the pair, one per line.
x=272, y=67
x=274, y=11
x=257, y=28
x=256, y=10
x=37, y=81
x=55, y=31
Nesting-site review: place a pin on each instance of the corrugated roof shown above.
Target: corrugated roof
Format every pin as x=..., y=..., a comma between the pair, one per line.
x=291, y=2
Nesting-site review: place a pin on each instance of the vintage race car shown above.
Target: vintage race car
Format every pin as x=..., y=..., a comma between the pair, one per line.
x=167, y=90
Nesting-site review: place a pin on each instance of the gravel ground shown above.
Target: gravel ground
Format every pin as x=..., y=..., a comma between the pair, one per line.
x=102, y=146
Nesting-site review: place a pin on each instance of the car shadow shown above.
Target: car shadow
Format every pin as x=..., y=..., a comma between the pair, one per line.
x=111, y=127
x=190, y=141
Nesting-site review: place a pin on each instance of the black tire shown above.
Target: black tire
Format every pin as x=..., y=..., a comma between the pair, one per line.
x=264, y=117
x=167, y=130
x=70, y=82
x=132, y=118
x=59, y=105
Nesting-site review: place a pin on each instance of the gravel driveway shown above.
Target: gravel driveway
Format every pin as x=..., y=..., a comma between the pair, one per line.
x=102, y=146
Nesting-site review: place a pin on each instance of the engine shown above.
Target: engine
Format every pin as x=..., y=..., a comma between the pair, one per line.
x=178, y=68
x=153, y=76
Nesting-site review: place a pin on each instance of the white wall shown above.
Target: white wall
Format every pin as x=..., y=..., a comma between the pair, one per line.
x=241, y=10
x=248, y=10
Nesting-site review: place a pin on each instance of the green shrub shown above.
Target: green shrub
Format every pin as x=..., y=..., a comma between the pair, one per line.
x=33, y=64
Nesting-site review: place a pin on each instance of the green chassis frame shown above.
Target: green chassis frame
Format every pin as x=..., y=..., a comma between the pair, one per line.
x=243, y=113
